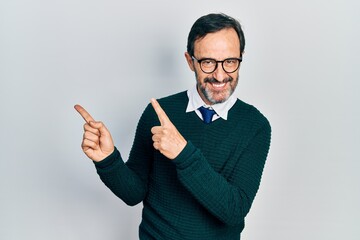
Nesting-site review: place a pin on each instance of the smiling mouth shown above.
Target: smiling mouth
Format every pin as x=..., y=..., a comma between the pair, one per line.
x=218, y=85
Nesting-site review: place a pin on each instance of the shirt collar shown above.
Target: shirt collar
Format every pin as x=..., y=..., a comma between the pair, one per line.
x=221, y=109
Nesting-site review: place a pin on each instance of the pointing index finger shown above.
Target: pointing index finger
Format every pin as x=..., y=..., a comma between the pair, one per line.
x=85, y=115
x=163, y=118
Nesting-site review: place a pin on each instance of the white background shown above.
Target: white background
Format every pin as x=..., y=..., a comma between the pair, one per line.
x=301, y=69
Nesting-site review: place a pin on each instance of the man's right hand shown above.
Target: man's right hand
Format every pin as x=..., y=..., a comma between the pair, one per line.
x=97, y=142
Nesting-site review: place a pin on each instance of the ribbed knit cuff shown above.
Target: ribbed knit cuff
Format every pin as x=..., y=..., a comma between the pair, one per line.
x=184, y=159
x=109, y=160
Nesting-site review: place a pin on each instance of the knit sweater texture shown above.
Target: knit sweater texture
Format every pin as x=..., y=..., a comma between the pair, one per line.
x=208, y=189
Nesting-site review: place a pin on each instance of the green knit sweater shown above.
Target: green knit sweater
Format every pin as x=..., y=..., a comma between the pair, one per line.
x=207, y=190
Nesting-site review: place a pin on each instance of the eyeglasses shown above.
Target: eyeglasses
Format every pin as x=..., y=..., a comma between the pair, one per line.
x=209, y=65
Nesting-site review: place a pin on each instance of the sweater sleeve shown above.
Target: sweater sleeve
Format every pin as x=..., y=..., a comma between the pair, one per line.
x=129, y=180
x=227, y=199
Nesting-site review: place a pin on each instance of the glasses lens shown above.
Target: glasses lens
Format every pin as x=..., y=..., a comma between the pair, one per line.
x=208, y=65
x=231, y=65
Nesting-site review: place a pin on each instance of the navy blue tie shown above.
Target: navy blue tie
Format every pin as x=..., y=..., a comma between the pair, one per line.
x=207, y=114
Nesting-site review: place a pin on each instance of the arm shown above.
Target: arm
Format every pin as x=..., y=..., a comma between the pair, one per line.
x=127, y=180
x=227, y=199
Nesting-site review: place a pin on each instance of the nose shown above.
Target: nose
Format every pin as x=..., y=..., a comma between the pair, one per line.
x=219, y=73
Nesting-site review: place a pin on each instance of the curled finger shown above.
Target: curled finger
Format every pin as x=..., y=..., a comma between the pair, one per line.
x=156, y=138
x=91, y=137
x=88, y=144
x=95, y=131
x=156, y=145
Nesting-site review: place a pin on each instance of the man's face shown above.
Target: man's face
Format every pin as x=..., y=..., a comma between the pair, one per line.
x=215, y=87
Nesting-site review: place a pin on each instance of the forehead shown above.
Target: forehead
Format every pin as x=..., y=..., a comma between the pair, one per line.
x=219, y=45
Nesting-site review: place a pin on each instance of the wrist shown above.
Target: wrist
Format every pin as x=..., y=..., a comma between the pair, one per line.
x=107, y=160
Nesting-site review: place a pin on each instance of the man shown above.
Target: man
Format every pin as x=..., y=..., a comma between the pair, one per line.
x=198, y=156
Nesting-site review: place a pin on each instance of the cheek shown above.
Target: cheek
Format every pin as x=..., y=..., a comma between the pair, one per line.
x=199, y=77
x=235, y=81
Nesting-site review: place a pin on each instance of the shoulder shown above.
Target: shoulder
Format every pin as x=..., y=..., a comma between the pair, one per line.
x=249, y=114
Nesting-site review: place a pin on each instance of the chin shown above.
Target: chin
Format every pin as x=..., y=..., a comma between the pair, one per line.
x=218, y=97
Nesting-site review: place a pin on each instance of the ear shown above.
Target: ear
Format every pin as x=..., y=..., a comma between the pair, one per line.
x=189, y=61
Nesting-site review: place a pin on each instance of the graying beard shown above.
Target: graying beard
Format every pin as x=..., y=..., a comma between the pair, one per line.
x=209, y=97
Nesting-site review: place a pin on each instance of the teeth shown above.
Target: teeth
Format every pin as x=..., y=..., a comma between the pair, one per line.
x=218, y=85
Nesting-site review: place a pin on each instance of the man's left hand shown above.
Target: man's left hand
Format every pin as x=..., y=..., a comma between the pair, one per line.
x=166, y=137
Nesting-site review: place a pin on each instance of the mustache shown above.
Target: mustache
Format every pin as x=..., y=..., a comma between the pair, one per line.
x=214, y=80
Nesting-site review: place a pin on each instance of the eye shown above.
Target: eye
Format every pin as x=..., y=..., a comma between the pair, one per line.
x=231, y=61
x=208, y=62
